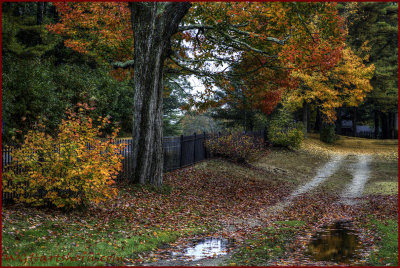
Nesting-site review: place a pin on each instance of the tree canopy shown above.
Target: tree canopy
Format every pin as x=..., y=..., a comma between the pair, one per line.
x=254, y=55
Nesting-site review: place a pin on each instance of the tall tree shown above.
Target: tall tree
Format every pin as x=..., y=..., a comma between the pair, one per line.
x=377, y=23
x=212, y=32
x=347, y=83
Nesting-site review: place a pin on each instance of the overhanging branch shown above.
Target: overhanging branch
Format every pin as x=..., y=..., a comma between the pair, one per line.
x=194, y=27
x=123, y=65
x=185, y=68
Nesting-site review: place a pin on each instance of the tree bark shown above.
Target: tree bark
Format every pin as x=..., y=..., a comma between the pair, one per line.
x=354, y=122
x=40, y=12
x=339, y=121
x=317, y=126
x=385, y=127
x=153, y=25
x=308, y=118
x=396, y=125
x=305, y=117
x=376, y=119
x=391, y=125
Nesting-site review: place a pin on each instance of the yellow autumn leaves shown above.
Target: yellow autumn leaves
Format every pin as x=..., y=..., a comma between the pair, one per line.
x=73, y=168
x=345, y=84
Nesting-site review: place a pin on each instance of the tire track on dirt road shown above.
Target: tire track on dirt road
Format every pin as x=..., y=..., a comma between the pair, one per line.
x=361, y=174
x=322, y=175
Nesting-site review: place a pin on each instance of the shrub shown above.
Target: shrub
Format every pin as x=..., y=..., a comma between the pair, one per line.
x=283, y=131
x=236, y=147
x=327, y=133
x=69, y=170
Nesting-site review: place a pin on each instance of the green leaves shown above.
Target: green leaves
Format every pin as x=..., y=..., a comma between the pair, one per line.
x=284, y=132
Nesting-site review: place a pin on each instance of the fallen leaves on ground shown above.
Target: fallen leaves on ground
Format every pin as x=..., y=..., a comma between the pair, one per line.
x=219, y=202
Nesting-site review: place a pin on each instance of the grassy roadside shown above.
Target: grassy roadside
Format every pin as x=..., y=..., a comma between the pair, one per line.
x=56, y=242
x=383, y=177
x=388, y=249
x=384, y=149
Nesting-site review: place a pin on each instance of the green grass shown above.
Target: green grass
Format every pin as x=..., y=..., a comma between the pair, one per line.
x=388, y=245
x=385, y=149
x=116, y=241
x=384, y=177
x=266, y=245
x=298, y=166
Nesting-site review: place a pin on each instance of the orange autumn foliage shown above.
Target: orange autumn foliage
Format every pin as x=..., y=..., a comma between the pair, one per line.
x=347, y=83
x=72, y=169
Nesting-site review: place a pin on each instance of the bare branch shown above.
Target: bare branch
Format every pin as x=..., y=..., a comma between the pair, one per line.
x=130, y=64
x=303, y=22
x=181, y=88
x=272, y=39
x=194, y=27
x=214, y=59
x=185, y=68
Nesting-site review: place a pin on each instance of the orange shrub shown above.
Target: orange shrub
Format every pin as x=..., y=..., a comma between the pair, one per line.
x=69, y=170
x=236, y=147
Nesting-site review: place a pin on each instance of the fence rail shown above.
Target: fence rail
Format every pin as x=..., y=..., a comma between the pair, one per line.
x=178, y=152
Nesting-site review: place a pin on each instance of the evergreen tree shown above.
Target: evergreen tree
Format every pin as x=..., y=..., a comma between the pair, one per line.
x=377, y=23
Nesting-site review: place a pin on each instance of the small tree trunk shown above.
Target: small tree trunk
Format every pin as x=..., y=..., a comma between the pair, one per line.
x=40, y=12
x=153, y=25
x=392, y=125
x=305, y=107
x=308, y=118
x=385, y=127
x=339, y=121
x=376, y=119
x=354, y=121
x=318, y=121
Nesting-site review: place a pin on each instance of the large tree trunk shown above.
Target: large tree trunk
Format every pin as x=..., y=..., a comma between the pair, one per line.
x=153, y=25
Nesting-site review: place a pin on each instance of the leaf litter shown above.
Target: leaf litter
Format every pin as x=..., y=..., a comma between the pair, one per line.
x=217, y=202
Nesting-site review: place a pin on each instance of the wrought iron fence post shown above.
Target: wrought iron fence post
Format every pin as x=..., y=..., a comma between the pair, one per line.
x=194, y=147
x=204, y=144
x=181, y=156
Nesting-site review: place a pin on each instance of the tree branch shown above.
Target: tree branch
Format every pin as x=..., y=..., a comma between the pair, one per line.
x=200, y=73
x=303, y=22
x=194, y=27
x=130, y=63
x=268, y=38
x=123, y=65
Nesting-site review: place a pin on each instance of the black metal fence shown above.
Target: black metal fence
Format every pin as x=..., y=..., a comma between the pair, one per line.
x=178, y=152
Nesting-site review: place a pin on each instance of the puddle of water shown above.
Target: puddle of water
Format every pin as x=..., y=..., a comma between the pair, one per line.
x=206, y=248
x=337, y=243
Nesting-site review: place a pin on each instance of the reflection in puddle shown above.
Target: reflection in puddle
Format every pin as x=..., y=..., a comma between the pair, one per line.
x=205, y=248
x=337, y=243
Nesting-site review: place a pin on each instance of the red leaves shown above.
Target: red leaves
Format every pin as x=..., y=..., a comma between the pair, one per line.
x=99, y=29
x=236, y=147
